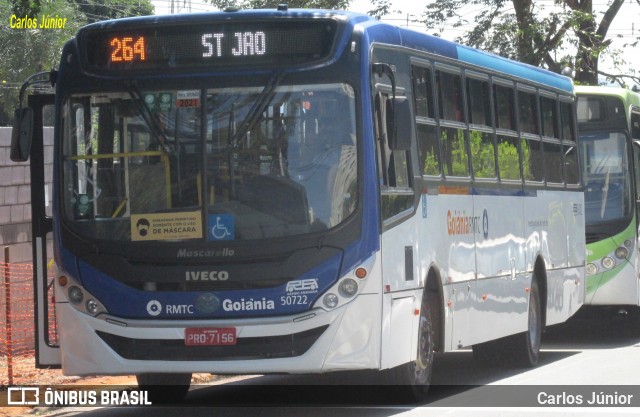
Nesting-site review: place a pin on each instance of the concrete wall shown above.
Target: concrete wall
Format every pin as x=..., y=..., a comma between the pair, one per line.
x=15, y=196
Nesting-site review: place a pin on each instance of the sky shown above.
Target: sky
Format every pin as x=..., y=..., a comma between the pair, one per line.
x=625, y=25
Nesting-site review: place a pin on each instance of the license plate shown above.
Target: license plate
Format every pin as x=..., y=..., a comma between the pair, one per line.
x=210, y=336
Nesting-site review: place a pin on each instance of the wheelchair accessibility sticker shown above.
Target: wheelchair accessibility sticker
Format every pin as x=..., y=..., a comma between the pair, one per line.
x=221, y=227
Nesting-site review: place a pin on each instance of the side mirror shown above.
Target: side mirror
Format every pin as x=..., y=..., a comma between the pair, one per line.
x=22, y=134
x=399, y=125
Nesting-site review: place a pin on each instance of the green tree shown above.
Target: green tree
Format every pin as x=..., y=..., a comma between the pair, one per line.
x=28, y=51
x=520, y=30
x=28, y=8
x=381, y=8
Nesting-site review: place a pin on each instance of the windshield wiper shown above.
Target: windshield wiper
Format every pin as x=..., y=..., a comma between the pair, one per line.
x=148, y=117
x=258, y=107
x=262, y=101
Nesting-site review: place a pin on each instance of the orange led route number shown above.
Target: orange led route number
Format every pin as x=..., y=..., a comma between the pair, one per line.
x=126, y=49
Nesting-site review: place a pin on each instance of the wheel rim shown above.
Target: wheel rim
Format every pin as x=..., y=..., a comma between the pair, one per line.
x=425, y=353
x=534, y=323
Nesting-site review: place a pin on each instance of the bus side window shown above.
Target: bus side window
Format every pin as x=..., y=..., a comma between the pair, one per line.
x=507, y=140
x=382, y=142
x=528, y=112
x=635, y=136
x=393, y=165
x=449, y=88
x=504, y=103
x=569, y=145
x=428, y=148
x=553, y=162
x=478, y=102
x=508, y=157
x=455, y=155
x=566, y=121
x=532, y=158
x=549, y=117
x=481, y=138
x=635, y=126
x=426, y=131
x=422, y=92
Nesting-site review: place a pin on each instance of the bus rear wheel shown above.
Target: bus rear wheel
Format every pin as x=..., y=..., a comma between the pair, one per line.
x=164, y=387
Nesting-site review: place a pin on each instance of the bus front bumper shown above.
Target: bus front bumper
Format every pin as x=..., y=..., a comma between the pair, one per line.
x=316, y=341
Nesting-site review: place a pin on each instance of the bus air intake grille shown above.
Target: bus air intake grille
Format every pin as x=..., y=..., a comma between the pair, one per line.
x=246, y=348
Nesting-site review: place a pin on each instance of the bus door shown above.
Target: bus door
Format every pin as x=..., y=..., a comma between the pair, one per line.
x=635, y=124
x=636, y=175
x=28, y=142
x=398, y=235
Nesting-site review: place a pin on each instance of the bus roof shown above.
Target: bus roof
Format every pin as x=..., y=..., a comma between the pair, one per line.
x=382, y=32
x=627, y=95
x=373, y=29
x=187, y=18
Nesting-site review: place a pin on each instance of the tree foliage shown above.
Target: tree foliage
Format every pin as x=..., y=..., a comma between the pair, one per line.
x=28, y=51
x=569, y=34
x=28, y=8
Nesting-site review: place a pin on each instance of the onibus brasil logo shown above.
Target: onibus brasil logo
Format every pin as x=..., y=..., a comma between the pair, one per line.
x=37, y=396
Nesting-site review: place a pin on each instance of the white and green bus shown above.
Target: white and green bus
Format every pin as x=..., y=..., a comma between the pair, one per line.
x=609, y=137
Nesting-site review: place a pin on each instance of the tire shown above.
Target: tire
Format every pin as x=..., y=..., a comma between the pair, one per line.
x=413, y=379
x=525, y=347
x=164, y=388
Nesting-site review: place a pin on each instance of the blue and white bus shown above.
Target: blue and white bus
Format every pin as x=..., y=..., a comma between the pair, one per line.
x=300, y=191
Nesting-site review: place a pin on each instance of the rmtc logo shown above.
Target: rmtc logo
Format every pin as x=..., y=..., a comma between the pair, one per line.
x=154, y=308
x=302, y=285
x=206, y=275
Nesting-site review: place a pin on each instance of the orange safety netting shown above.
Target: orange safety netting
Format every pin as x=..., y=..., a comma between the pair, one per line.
x=17, y=323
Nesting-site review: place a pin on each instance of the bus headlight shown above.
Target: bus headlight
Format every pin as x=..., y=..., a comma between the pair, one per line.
x=608, y=262
x=92, y=306
x=622, y=252
x=592, y=268
x=348, y=288
x=330, y=300
x=75, y=294
x=78, y=297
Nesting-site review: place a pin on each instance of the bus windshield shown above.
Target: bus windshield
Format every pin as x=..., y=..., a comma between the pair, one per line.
x=607, y=190
x=216, y=164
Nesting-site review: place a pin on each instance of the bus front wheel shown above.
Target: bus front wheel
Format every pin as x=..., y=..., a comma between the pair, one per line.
x=413, y=378
x=164, y=387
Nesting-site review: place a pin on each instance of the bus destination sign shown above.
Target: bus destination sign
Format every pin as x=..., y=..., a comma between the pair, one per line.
x=266, y=44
